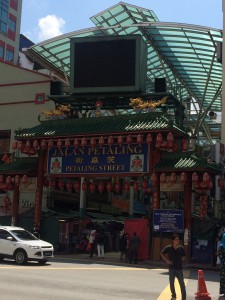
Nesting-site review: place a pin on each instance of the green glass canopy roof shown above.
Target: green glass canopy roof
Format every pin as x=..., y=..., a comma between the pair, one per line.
x=183, y=54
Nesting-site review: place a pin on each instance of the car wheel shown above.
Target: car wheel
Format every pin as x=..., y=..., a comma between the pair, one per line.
x=43, y=261
x=20, y=257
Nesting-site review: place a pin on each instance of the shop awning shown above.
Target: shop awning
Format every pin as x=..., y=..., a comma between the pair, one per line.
x=22, y=165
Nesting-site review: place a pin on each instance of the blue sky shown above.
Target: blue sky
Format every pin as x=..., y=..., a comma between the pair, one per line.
x=43, y=19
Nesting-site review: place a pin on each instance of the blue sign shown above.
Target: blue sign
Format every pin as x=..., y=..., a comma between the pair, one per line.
x=168, y=220
x=107, y=159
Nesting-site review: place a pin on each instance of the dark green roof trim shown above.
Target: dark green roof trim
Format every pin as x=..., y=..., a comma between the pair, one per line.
x=22, y=165
x=187, y=161
x=133, y=123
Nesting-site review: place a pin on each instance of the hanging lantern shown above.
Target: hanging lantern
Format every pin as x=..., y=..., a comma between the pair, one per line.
x=149, y=138
x=204, y=185
x=194, y=177
x=53, y=184
x=76, y=186
x=59, y=143
x=162, y=178
x=35, y=144
x=173, y=177
x=43, y=144
x=205, y=177
x=159, y=139
x=84, y=186
x=120, y=140
x=221, y=182
x=98, y=104
x=203, y=206
x=76, y=143
x=69, y=186
x=170, y=137
x=109, y=187
x=153, y=178
x=93, y=142
x=92, y=187
x=24, y=179
x=210, y=184
x=61, y=184
x=50, y=144
x=136, y=186
x=20, y=145
x=101, y=187
x=110, y=141
x=28, y=144
x=17, y=180
x=101, y=141
x=129, y=139
x=126, y=186
x=14, y=145
x=67, y=142
x=184, y=145
x=117, y=186
x=8, y=180
x=140, y=139
x=183, y=177
x=144, y=184
x=83, y=142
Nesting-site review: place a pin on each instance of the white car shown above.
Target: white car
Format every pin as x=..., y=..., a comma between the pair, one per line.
x=21, y=245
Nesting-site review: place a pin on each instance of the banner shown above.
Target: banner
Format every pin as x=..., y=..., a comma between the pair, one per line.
x=168, y=220
x=107, y=159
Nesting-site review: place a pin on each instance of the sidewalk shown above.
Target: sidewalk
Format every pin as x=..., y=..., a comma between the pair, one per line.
x=113, y=258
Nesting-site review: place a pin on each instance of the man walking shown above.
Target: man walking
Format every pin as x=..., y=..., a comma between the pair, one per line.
x=134, y=244
x=173, y=255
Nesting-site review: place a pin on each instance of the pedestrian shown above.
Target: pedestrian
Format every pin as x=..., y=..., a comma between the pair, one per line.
x=134, y=245
x=123, y=246
x=92, y=242
x=174, y=255
x=100, y=241
x=221, y=251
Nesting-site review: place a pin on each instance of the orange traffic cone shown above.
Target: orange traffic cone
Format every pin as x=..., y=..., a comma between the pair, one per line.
x=202, y=290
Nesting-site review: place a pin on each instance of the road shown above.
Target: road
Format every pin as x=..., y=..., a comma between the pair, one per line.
x=83, y=280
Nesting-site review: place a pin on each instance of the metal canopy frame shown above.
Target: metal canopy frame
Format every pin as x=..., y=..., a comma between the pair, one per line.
x=184, y=54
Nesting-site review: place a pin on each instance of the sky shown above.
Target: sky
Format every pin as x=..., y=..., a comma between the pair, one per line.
x=44, y=19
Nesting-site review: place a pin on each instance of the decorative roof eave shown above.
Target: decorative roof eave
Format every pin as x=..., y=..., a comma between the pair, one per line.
x=113, y=125
x=20, y=166
x=185, y=162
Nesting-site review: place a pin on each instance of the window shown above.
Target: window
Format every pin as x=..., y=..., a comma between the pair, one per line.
x=12, y=25
x=4, y=141
x=4, y=234
x=4, y=9
x=9, y=55
x=1, y=52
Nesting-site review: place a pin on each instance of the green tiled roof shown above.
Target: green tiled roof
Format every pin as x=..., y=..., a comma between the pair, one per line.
x=142, y=122
x=22, y=165
x=187, y=161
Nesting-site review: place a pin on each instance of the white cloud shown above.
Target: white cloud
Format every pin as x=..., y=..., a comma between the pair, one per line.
x=49, y=27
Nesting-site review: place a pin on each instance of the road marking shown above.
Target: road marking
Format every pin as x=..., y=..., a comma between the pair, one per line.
x=166, y=294
x=73, y=268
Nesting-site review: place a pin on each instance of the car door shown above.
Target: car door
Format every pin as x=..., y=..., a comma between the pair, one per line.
x=6, y=246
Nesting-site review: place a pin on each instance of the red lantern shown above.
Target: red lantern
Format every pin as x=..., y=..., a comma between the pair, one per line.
x=221, y=182
x=76, y=186
x=126, y=186
x=53, y=184
x=136, y=186
x=101, y=187
x=24, y=179
x=117, y=186
x=17, y=180
x=101, y=141
x=159, y=138
x=162, y=178
x=129, y=139
x=83, y=142
x=43, y=144
x=183, y=177
x=59, y=143
x=140, y=139
x=93, y=142
x=67, y=142
x=173, y=177
x=149, y=138
x=210, y=184
x=153, y=178
x=194, y=177
x=144, y=184
x=28, y=144
x=14, y=145
x=120, y=140
x=84, y=186
x=8, y=180
x=205, y=177
x=109, y=186
x=76, y=142
x=50, y=144
x=170, y=137
x=20, y=145
x=92, y=187
x=184, y=145
x=69, y=186
x=35, y=144
x=110, y=141
x=60, y=184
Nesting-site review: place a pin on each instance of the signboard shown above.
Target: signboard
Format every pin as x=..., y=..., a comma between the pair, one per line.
x=168, y=220
x=107, y=159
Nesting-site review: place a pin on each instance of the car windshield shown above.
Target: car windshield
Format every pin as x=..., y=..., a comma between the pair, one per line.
x=24, y=235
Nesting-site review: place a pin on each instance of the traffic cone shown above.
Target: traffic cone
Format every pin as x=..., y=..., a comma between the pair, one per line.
x=202, y=290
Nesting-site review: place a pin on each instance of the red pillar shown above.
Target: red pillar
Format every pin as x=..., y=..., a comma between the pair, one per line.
x=15, y=205
x=39, y=190
x=187, y=215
